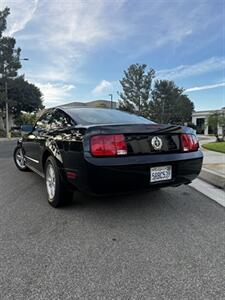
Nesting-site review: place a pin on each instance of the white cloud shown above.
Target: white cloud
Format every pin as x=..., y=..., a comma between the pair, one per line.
x=54, y=94
x=206, y=66
x=66, y=32
x=50, y=73
x=205, y=87
x=62, y=35
x=22, y=12
x=103, y=87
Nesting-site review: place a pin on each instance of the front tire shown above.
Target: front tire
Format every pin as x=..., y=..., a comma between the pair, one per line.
x=19, y=159
x=57, y=193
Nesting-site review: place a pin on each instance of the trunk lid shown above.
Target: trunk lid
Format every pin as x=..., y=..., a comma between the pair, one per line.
x=143, y=139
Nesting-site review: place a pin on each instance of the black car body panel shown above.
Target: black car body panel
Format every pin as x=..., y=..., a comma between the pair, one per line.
x=70, y=146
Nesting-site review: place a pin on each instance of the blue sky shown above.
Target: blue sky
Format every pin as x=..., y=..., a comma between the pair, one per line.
x=78, y=49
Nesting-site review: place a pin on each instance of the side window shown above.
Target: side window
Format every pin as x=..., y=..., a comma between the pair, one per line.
x=43, y=122
x=60, y=120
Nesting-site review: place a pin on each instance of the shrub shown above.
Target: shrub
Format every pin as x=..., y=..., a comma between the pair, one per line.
x=2, y=133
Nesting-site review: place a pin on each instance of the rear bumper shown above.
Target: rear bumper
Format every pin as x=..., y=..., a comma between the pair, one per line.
x=116, y=175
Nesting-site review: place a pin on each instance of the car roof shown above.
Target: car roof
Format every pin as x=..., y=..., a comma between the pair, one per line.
x=68, y=109
x=80, y=107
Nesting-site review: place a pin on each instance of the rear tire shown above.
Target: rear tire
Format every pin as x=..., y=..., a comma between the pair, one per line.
x=57, y=193
x=20, y=160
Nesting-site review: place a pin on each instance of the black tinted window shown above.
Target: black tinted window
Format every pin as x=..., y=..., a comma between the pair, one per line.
x=105, y=116
x=43, y=122
x=60, y=120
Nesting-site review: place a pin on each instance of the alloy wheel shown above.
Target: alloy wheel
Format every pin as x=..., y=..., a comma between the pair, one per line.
x=20, y=159
x=50, y=182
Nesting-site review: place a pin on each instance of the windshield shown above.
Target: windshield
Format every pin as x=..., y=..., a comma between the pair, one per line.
x=88, y=116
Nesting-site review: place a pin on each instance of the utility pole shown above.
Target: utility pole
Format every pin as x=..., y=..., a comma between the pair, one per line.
x=163, y=109
x=6, y=109
x=111, y=96
x=139, y=103
x=162, y=104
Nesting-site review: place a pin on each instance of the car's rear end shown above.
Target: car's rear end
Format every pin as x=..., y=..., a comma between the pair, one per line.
x=127, y=157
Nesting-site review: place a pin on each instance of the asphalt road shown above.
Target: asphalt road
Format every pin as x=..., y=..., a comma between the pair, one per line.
x=167, y=244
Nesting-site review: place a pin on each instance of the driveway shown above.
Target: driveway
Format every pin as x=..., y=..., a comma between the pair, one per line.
x=167, y=244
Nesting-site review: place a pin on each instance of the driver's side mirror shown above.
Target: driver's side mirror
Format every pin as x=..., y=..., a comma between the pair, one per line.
x=27, y=128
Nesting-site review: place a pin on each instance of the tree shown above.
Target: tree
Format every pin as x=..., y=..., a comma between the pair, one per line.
x=26, y=118
x=3, y=15
x=22, y=95
x=222, y=124
x=169, y=104
x=9, y=55
x=136, y=85
x=215, y=120
x=9, y=60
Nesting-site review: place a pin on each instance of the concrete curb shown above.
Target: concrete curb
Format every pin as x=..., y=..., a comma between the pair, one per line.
x=212, y=177
x=209, y=190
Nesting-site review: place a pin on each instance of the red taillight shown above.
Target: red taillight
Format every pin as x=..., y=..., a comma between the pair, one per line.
x=71, y=175
x=189, y=142
x=108, y=145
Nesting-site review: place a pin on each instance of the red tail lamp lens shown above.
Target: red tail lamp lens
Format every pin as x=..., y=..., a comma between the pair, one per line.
x=71, y=175
x=189, y=142
x=108, y=145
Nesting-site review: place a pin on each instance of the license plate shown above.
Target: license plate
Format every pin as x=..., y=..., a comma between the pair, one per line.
x=160, y=173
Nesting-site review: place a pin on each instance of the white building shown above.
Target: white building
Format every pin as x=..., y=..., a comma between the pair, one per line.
x=199, y=118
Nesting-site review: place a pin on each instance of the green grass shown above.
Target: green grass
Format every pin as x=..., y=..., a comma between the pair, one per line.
x=218, y=147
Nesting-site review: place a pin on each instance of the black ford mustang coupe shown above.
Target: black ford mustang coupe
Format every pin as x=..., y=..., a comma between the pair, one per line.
x=105, y=151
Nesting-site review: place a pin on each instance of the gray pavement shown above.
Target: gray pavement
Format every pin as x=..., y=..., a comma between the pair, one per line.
x=167, y=244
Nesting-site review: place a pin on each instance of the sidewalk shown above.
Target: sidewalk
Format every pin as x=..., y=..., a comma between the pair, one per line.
x=213, y=170
x=6, y=139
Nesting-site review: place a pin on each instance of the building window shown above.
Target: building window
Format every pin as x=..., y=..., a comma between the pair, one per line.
x=200, y=124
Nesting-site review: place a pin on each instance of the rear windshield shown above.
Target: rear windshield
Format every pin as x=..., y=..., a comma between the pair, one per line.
x=89, y=116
